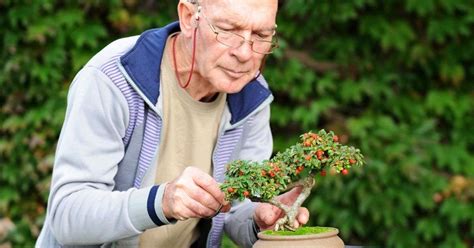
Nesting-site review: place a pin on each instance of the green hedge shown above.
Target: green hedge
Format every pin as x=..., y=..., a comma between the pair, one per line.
x=395, y=78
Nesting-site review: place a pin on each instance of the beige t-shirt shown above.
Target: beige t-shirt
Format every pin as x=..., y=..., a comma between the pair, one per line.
x=188, y=138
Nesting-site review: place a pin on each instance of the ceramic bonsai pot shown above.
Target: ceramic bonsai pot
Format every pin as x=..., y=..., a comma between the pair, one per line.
x=327, y=239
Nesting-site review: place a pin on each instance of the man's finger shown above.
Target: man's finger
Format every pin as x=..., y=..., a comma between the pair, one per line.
x=203, y=197
x=208, y=184
x=199, y=210
x=226, y=208
x=269, y=214
x=303, y=215
x=296, y=224
x=289, y=197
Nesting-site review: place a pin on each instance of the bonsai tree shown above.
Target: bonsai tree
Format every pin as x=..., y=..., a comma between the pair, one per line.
x=316, y=153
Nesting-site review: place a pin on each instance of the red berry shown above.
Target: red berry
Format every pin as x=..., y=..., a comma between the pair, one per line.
x=230, y=190
x=307, y=144
x=335, y=138
x=344, y=172
x=264, y=173
x=272, y=174
x=352, y=161
x=319, y=154
x=323, y=173
x=246, y=193
x=308, y=157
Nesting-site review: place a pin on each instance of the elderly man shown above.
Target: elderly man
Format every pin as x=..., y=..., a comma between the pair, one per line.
x=150, y=124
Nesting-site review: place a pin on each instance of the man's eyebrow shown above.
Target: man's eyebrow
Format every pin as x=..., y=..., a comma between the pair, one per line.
x=240, y=26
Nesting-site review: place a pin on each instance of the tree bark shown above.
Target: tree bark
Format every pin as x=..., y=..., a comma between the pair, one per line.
x=287, y=222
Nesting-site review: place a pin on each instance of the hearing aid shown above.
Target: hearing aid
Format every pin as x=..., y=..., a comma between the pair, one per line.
x=198, y=12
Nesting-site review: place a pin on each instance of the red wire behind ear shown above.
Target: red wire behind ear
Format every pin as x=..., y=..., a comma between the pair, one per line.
x=192, y=61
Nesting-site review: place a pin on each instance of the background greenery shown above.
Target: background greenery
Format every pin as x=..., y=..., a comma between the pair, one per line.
x=395, y=78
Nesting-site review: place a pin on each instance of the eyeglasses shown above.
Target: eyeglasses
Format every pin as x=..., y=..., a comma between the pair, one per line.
x=233, y=40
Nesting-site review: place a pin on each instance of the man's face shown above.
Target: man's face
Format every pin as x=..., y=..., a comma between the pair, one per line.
x=230, y=69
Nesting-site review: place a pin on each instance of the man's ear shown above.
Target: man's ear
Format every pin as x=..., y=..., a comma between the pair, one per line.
x=188, y=18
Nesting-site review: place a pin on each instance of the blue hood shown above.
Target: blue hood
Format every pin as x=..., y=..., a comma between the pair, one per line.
x=143, y=62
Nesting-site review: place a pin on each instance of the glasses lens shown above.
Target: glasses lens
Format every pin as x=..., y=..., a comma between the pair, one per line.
x=233, y=40
x=229, y=39
x=262, y=46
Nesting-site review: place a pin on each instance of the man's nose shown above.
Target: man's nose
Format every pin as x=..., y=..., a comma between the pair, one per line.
x=244, y=51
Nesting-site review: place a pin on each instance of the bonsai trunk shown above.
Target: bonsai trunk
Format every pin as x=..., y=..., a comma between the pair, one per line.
x=287, y=221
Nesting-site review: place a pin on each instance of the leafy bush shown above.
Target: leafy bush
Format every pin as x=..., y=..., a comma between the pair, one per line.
x=44, y=43
x=395, y=77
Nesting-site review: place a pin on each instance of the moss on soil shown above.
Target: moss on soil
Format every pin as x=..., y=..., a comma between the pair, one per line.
x=301, y=231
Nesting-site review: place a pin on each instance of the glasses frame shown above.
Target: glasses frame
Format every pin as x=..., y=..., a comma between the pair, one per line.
x=273, y=43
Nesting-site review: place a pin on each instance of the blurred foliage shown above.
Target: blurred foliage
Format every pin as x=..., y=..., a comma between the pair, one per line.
x=395, y=78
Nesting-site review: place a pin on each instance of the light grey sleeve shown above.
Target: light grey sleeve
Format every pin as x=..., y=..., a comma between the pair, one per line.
x=257, y=139
x=257, y=145
x=82, y=207
x=239, y=224
x=138, y=209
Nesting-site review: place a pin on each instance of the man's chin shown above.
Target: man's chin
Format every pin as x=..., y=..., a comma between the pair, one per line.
x=232, y=87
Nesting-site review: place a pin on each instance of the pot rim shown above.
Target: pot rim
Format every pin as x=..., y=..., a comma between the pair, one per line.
x=329, y=233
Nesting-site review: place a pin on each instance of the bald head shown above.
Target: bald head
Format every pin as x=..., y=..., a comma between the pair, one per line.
x=273, y=4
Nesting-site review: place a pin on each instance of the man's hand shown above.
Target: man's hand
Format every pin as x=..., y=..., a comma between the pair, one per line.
x=266, y=215
x=193, y=194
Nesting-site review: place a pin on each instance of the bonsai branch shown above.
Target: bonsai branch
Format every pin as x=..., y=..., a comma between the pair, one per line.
x=288, y=220
x=280, y=205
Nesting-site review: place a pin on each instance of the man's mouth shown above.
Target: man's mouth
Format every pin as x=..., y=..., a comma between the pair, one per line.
x=234, y=73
